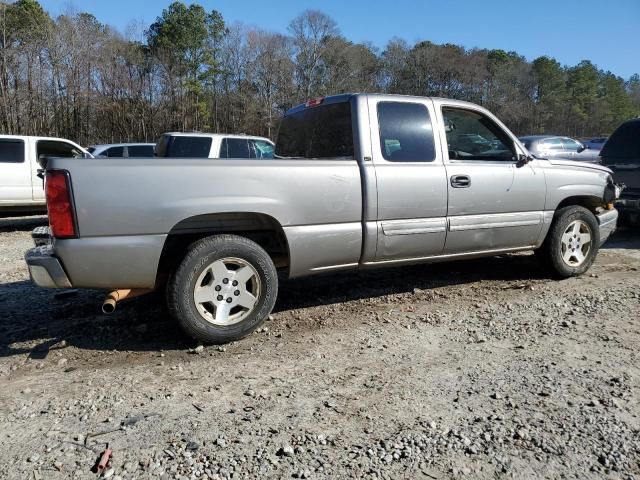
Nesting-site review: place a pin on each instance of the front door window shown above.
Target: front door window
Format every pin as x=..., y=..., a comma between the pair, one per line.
x=474, y=136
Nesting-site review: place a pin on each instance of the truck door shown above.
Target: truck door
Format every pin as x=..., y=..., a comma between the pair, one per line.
x=15, y=172
x=411, y=180
x=495, y=202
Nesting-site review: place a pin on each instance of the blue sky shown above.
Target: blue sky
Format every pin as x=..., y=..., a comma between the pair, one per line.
x=607, y=33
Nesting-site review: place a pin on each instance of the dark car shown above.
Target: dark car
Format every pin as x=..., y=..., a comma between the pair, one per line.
x=595, y=143
x=621, y=153
x=552, y=146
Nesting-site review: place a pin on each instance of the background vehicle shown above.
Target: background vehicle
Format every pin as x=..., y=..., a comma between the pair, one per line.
x=595, y=144
x=20, y=187
x=359, y=181
x=213, y=145
x=549, y=146
x=122, y=150
x=621, y=154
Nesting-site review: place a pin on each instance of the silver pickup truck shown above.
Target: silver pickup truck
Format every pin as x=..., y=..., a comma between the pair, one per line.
x=359, y=181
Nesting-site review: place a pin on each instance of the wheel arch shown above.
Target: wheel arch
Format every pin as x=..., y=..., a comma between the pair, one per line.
x=590, y=202
x=263, y=229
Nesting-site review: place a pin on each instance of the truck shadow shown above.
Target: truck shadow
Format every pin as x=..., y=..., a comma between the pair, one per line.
x=358, y=285
x=36, y=321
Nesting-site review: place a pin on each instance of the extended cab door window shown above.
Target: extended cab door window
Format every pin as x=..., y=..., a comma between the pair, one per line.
x=406, y=134
x=474, y=136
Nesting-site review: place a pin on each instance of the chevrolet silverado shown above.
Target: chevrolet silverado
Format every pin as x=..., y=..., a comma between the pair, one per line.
x=358, y=181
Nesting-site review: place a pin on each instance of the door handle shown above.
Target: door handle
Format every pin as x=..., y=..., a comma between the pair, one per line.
x=460, y=181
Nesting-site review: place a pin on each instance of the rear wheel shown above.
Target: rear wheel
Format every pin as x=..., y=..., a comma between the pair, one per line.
x=224, y=288
x=572, y=243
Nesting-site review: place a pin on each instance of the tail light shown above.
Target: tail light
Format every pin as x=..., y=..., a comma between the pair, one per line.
x=59, y=204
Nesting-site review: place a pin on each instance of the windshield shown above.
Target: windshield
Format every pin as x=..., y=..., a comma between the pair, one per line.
x=317, y=132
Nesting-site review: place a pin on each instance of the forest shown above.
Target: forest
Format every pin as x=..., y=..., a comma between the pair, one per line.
x=75, y=77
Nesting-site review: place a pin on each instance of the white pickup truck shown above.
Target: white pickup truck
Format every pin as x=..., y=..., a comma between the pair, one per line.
x=20, y=187
x=213, y=145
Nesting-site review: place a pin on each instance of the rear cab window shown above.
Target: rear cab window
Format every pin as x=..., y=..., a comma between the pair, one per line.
x=317, y=132
x=11, y=150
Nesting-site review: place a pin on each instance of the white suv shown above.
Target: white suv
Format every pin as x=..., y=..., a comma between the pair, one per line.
x=213, y=145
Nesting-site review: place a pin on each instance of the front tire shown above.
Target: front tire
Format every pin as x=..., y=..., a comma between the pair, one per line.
x=225, y=287
x=572, y=242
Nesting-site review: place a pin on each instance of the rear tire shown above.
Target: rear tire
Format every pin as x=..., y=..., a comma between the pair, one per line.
x=223, y=289
x=572, y=242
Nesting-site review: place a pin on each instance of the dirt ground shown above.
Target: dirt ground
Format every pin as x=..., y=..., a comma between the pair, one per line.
x=478, y=369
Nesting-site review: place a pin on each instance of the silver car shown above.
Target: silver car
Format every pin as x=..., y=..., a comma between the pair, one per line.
x=123, y=150
x=549, y=146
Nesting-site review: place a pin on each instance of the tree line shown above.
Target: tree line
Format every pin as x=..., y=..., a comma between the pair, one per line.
x=75, y=77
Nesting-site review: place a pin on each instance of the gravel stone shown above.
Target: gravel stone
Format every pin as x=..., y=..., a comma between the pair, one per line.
x=481, y=369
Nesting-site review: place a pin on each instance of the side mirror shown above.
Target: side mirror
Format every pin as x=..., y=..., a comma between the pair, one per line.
x=524, y=159
x=582, y=148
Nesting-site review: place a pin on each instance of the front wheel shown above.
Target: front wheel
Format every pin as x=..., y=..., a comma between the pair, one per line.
x=225, y=287
x=572, y=243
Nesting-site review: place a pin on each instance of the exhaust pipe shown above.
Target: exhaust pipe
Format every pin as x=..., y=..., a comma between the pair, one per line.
x=115, y=296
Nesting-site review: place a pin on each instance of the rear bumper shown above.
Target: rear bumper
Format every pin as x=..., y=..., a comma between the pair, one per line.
x=45, y=269
x=608, y=221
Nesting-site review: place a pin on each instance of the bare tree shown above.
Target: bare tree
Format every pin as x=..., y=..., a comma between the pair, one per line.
x=75, y=77
x=311, y=32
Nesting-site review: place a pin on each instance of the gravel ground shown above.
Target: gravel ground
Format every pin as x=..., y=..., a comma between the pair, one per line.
x=478, y=369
